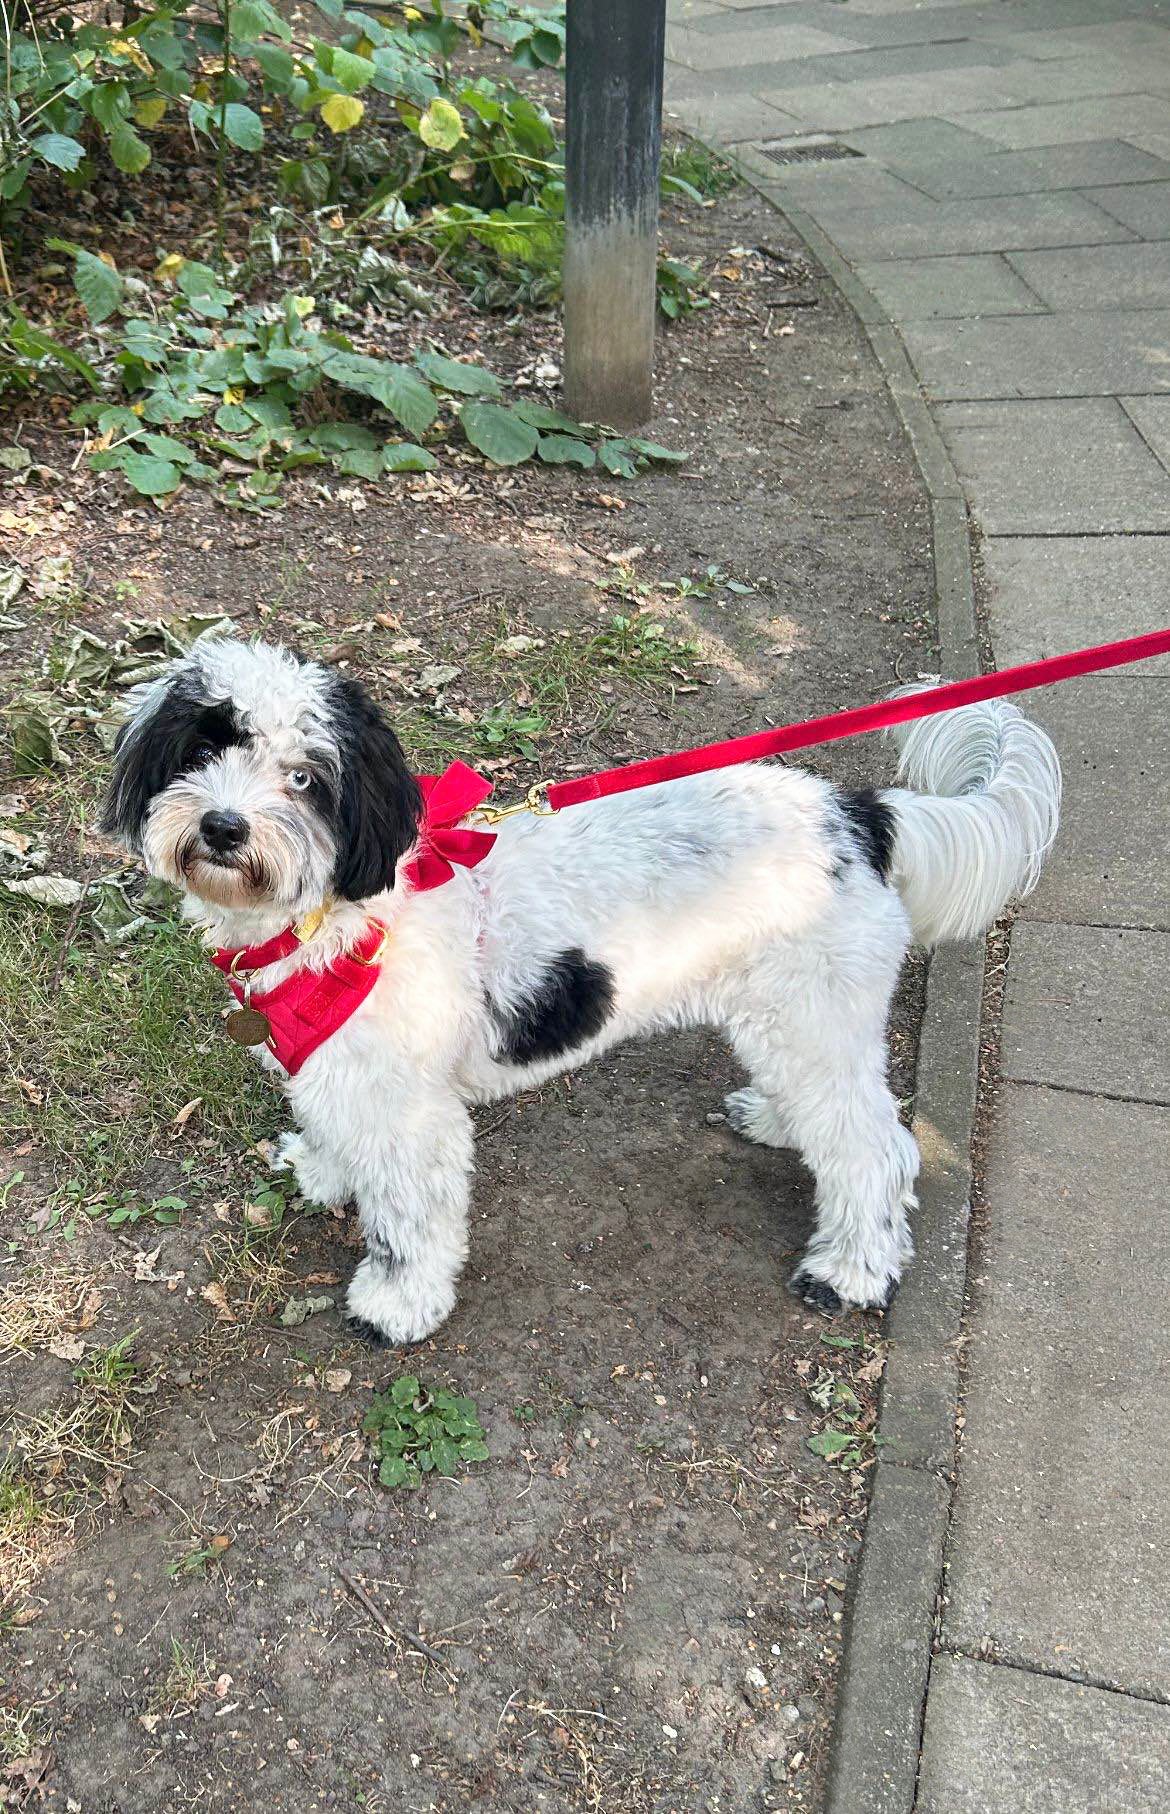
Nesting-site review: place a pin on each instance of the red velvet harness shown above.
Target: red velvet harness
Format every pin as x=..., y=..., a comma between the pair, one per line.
x=309, y=1006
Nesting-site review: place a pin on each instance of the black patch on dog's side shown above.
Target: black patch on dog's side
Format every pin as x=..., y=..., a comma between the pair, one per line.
x=572, y=1002
x=184, y=731
x=871, y=821
x=378, y=807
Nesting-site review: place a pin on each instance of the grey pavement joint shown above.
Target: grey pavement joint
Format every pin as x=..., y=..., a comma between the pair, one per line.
x=993, y=1736
x=1004, y=237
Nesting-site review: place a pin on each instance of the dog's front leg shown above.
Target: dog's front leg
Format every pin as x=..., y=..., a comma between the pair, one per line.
x=413, y=1186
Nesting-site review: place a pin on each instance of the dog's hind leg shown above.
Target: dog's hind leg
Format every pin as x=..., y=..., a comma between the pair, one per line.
x=812, y=1035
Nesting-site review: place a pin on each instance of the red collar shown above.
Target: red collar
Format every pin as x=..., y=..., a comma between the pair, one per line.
x=298, y=1015
x=301, y=1013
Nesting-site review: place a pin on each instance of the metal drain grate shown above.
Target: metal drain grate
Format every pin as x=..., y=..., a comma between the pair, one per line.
x=807, y=150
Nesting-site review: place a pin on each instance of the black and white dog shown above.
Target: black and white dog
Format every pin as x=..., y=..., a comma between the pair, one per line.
x=761, y=901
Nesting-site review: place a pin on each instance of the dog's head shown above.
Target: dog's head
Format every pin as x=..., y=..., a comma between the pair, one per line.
x=251, y=778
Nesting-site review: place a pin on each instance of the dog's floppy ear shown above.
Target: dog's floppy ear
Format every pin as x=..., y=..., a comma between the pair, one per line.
x=379, y=804
x=144, y=759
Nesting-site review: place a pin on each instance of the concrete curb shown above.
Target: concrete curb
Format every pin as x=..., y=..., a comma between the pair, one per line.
x=881, y=1702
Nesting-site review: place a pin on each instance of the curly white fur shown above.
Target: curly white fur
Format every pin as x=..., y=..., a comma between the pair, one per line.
x=746, y=900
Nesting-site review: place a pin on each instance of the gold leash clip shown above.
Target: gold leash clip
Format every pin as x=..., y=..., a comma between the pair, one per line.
x=535, y=802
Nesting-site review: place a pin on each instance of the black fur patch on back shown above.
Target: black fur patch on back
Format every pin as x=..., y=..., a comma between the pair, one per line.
x=571, y=1002
x=871, y=821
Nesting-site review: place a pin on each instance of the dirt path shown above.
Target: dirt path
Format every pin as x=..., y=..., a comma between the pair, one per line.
x=635, y=1604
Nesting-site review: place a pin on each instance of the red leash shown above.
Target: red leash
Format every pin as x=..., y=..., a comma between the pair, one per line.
x=857, y=719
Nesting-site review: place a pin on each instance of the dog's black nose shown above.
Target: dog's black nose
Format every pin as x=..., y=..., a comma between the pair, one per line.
x=223, y=831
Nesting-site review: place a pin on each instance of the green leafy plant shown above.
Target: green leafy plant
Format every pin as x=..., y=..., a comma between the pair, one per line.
x=846, y=1440
x=680, y=290
x=212, y=387
x=419, y=1432
x=535, y=35
x=214, y=373
x=691, y=169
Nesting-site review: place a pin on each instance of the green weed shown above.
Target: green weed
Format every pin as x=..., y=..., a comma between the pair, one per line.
x=696, y=170
x=419, y=1432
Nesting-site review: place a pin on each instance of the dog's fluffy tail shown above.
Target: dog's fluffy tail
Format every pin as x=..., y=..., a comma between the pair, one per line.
x=976, y=834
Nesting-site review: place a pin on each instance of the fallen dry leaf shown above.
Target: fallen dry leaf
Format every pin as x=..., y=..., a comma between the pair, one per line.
x=215, y=1295
x=67, y=1347
x=185, y=1113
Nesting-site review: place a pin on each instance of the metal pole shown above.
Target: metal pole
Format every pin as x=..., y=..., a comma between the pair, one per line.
x=613, y=75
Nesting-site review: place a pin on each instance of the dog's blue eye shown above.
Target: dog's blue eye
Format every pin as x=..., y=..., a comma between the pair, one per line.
x=203, y=752
x=300, y=779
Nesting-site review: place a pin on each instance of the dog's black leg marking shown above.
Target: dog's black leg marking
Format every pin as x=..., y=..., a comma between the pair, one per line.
x=816, y=1292
x=871, y=821
x=572, y=1002
x=366, y=1331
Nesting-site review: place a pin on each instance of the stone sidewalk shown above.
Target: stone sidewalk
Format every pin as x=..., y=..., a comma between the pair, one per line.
x=997, y=177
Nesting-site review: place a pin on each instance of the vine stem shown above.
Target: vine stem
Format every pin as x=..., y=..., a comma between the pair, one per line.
x=221, y=148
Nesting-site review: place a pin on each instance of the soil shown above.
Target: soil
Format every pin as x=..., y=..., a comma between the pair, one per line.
x=636, y=1604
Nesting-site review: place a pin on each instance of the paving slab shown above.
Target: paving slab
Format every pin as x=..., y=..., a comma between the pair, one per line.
x=1048, y=594
x=840, y=106
x=1139, y=38
x=1109, y=865
x=919, y=142
x=1099, y=277
x=1064, y=122
x=774, y=43
x=1056, y=468
x=1088, y=1008
x=999, y=1741
x=1151, y=417
x=883, y=63
x=931, y=289
x=1061, y=1526
x=1092, y=353
x=1091, y=164
x=726, y=119
x=917, y=227
x=1142, y=207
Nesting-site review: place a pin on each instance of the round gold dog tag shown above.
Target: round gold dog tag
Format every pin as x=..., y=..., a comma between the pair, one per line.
x=248, y=1027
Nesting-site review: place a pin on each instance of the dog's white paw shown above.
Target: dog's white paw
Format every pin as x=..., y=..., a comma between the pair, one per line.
x=397, y=1304
x=317, y=1177
x=831, y=1279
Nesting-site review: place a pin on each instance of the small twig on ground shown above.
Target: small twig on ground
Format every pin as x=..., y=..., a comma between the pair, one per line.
x=70, y=932
x=493, y=1127
x=396, y=1637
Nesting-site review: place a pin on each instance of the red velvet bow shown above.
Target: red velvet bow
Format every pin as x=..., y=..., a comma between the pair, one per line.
x=443, y=840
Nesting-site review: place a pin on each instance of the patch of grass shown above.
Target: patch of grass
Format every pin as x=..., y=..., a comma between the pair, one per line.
x=45, y=1304
x=31, y=1525
x=554, y=681
x=22, y=1733
x=421, y=1432
x=99, y=1051
x=46, y=1483
x=92, y=1429
x=250, y=1275
x=702, y=169
x=194, y=1563
x=190, y=1676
